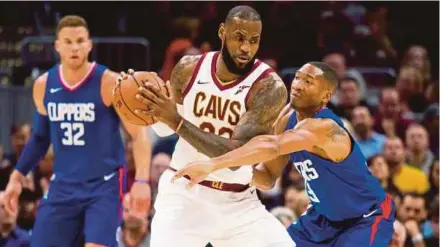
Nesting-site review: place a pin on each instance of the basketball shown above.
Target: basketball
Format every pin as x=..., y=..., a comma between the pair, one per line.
x=124, y=96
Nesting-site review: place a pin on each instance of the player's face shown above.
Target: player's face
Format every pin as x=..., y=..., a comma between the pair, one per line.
x=73, y=45
x=240, y=42
x=309, y=90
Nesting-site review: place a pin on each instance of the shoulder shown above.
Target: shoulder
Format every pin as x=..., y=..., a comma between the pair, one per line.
x=269, y=90
x=181, y=74
x=40, y=82
x=38, y=92
x=282, y=120
x=185, y=67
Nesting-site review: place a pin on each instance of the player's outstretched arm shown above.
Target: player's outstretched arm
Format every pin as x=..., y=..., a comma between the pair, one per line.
x=34, y=149
x=268, y=99
x=323, y=136
x=311, y=134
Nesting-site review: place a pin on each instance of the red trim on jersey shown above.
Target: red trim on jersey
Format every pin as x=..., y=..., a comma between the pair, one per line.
x=264, y=74
x=78, y=84
x=386, y=206
x=121, y=189
x=240, y=79
x=193, y=76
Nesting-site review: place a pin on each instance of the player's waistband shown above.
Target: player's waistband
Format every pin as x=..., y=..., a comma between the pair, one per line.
x=218, y=185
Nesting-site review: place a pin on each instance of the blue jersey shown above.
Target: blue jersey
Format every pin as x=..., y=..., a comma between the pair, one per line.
x=83, y=131
x=337, y=190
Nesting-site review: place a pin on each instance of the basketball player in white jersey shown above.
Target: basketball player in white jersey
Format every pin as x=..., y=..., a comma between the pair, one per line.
x=220, y=101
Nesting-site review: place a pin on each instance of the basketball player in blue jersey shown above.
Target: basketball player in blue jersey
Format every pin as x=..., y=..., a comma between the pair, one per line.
x=348, y=205
x=75, y=115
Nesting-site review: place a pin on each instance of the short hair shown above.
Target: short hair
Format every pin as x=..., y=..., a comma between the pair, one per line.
x=417, y=196
x=330, y=74
x=347, y=78
x=71, y=21
x=243, y=12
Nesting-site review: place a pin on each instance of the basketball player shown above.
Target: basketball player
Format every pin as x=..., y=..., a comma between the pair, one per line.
x=224, y=99
x=348, y=205
x=75, y=115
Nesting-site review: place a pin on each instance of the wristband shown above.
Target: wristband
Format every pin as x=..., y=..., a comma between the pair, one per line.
x=417, y=238
x=180, y=125
x=142, y=181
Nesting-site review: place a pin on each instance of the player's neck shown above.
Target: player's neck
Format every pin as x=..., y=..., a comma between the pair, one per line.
x=303, y=113
x=222, y=72
x=72, y=76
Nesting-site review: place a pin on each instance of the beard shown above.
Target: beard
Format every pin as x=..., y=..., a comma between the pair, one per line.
x=230, y=64
x=361, y=130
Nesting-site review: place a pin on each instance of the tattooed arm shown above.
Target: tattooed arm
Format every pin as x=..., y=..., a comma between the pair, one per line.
x=268, y=97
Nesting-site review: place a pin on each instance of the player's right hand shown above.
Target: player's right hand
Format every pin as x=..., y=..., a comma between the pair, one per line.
x=11, y=196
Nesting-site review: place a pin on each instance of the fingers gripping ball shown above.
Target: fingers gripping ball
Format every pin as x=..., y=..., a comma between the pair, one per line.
x=124, y=95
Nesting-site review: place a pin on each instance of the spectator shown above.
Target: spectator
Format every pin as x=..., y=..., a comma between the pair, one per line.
x=186, y=31
x=302, y=203
x=430, y=122
x=389, y=119
x=369, y=141
x=349, y=97
x=399, y=235
x=338, y=63
x=418, y=153
x=410, y=86
x=417, y=56
x=404, y=177
x=10, y=234
x=431, y=227
x=379, y=168
x=284, y=215
x=291, y=198
x=134, y=231
x=159, y=163
x=412, y=213
x=433, y=181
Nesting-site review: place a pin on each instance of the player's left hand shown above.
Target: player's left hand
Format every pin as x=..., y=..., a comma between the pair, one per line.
x=140, y=199
x=161, y=106
x=197, y=171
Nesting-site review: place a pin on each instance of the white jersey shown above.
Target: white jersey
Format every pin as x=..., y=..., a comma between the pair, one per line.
x=216, y=108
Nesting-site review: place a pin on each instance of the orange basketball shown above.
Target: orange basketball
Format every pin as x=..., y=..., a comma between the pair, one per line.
x=124, y=96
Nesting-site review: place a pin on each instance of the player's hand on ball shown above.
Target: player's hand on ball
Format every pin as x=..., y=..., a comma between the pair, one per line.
x=197, y=171
x=140, y=199
x=11, y=196
x=161, y=106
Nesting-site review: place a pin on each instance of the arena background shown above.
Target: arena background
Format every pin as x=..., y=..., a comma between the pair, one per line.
x=372, y=45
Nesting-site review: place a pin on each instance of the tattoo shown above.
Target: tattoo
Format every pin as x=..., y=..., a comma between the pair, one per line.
x=264, y=107
x=337, y=134
x=181, y=75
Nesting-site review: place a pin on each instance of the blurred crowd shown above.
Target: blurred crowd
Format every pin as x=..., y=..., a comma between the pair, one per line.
x=395, y=121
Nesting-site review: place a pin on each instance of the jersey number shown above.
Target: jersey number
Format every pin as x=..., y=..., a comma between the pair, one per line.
x=311, y=193
x=223, y=131
x=73, y=133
